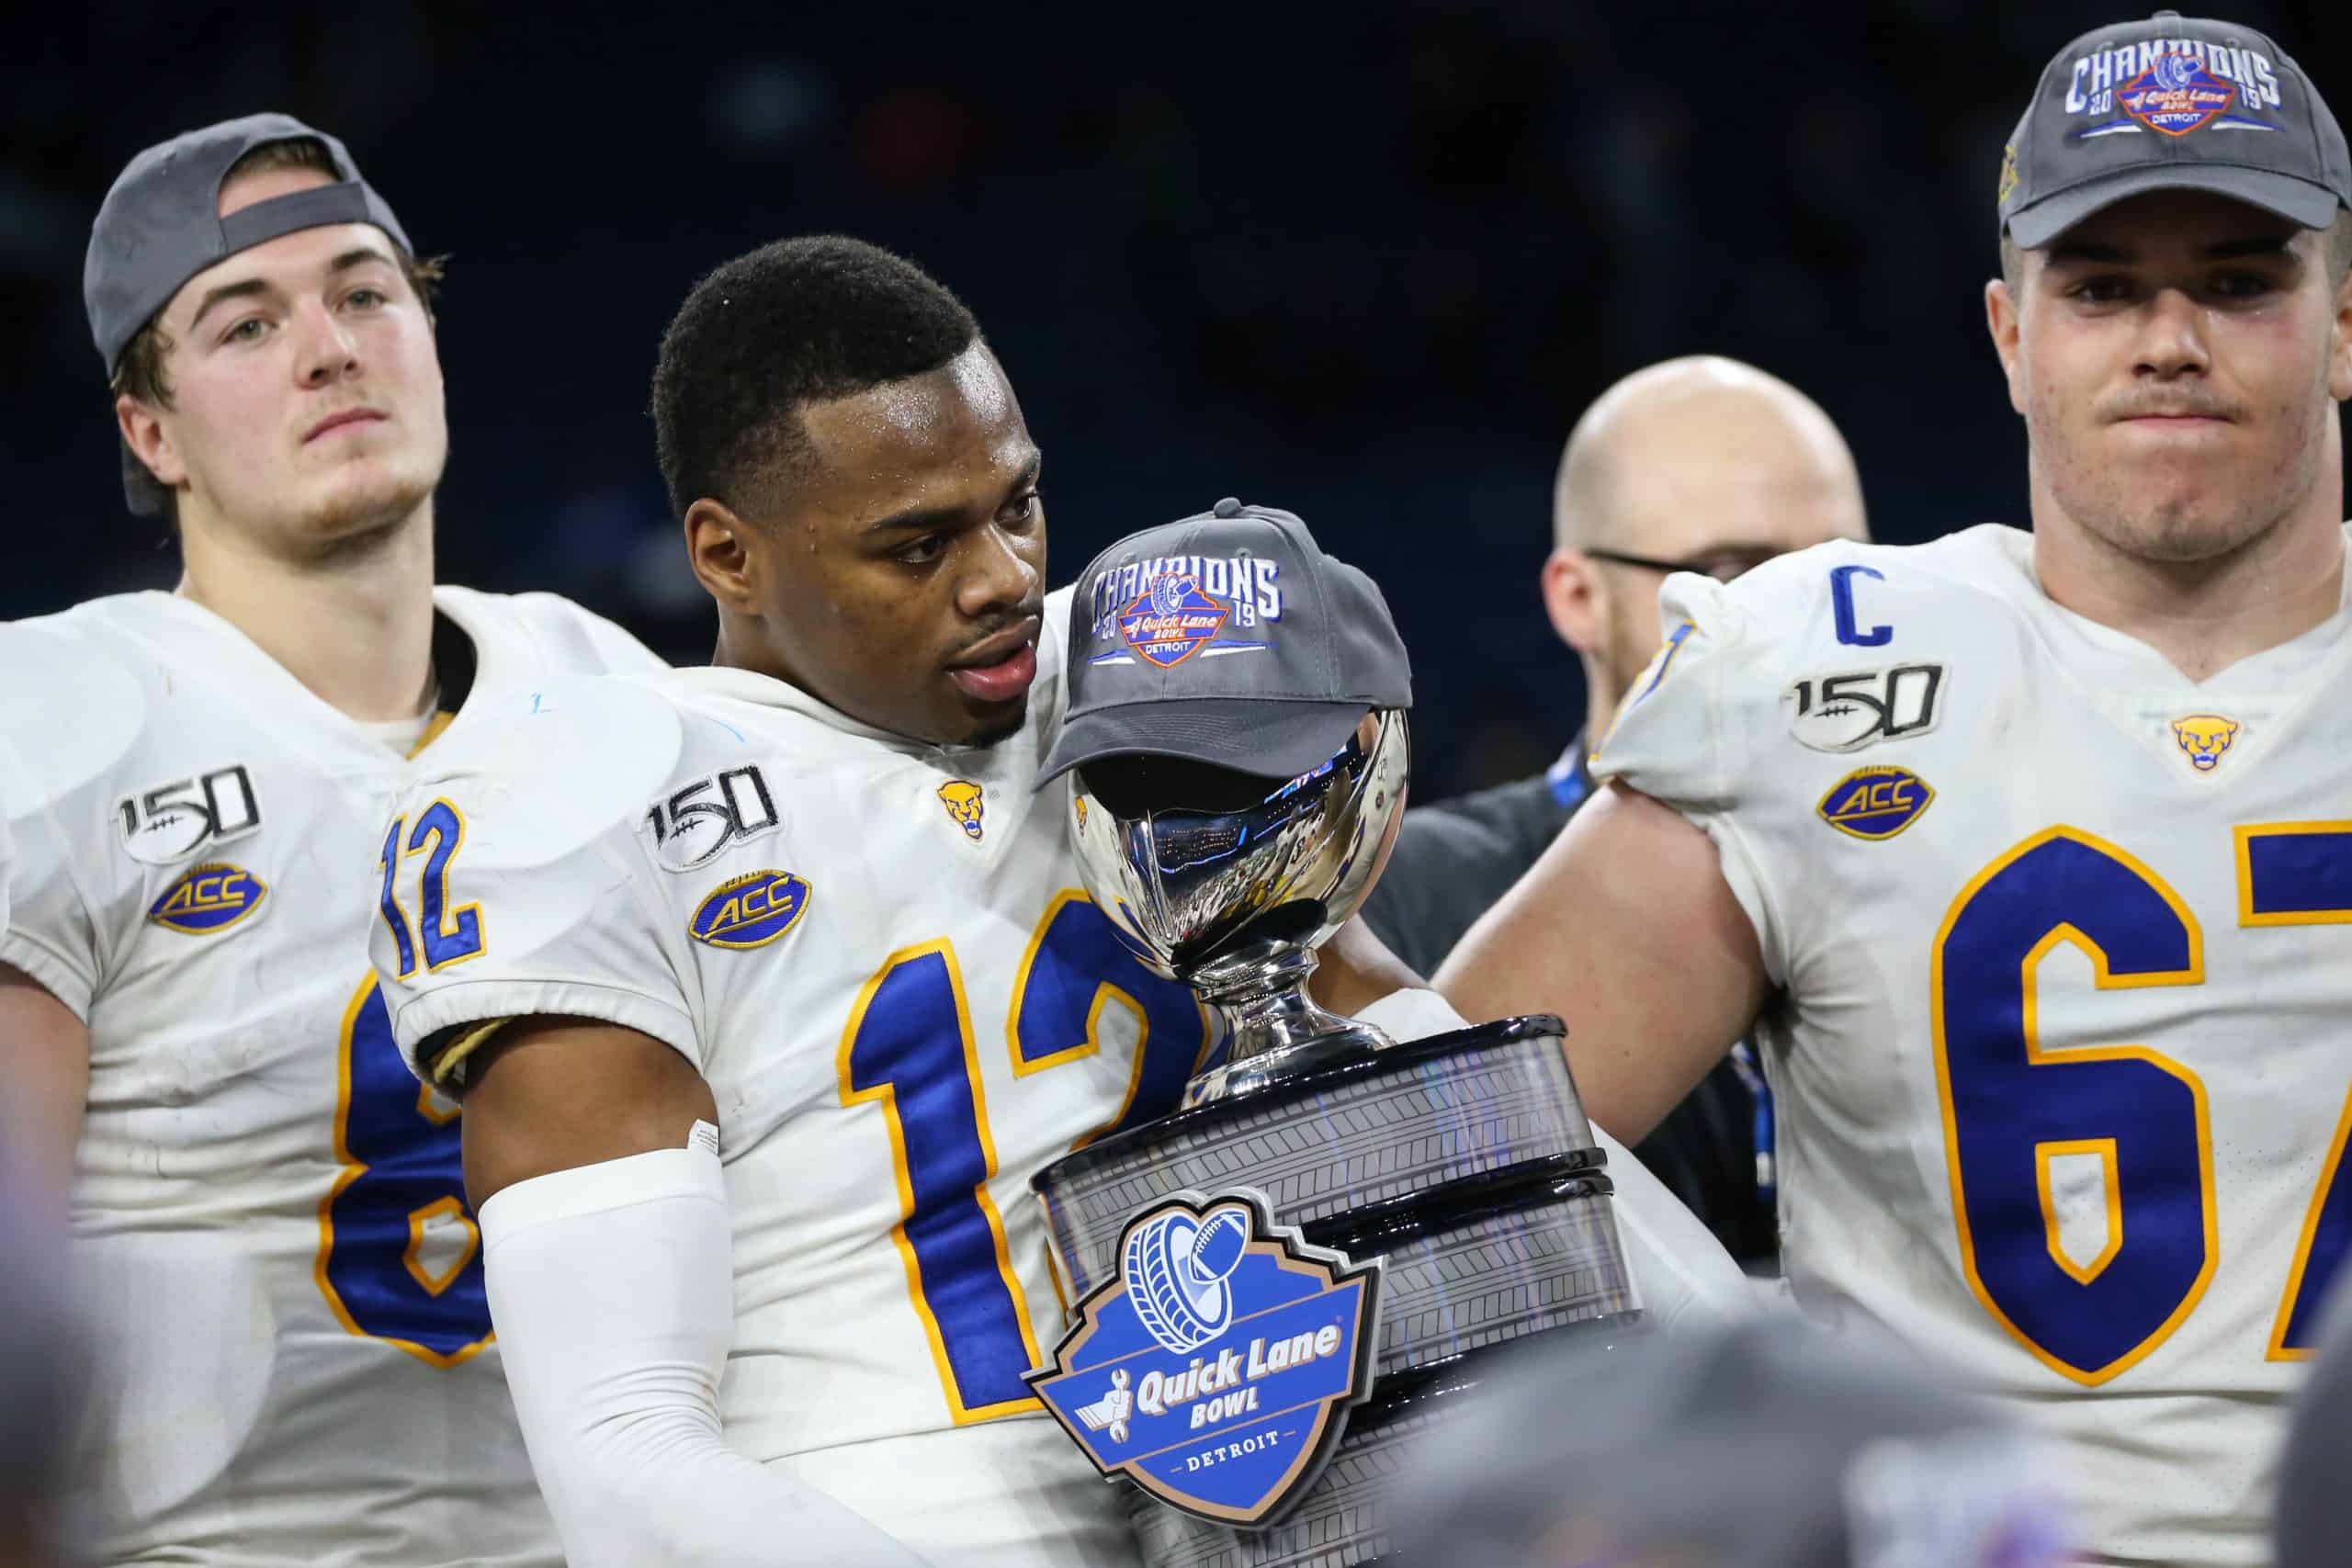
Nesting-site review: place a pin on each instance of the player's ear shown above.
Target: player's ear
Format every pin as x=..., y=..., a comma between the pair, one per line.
x=144, y=433
x=1572, y=597
x=2001, y=319
x=718, y=545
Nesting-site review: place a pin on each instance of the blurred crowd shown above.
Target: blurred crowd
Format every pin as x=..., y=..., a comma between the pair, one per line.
x=1366, y=262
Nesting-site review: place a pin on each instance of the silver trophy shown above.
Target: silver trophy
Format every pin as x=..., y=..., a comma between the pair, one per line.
x=1454, y=1179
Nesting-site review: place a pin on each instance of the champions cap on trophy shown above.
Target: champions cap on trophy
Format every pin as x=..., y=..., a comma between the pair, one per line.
x=1277, y=1289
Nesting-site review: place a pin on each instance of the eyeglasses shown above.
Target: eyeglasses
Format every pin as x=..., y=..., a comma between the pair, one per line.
x=1721, y=565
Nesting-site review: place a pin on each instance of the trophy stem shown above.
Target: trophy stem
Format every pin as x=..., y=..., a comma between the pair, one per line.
x=1273, y=1027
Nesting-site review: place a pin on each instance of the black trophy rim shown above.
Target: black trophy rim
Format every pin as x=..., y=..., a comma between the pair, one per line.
x=1357, y=1062
x=1386, y=1224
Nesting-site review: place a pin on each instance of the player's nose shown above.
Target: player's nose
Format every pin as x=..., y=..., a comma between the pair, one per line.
x=2172, y=337
x=325, y=348
x=999, y=573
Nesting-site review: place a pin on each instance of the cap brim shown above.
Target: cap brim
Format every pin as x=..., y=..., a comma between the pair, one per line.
x=2297, y=201
x=1271, y=738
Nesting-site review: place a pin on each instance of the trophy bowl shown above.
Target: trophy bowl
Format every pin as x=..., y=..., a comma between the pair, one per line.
x=1281, y=1289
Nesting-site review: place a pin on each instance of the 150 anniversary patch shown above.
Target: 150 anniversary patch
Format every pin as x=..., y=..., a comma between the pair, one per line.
x=1217, y=1371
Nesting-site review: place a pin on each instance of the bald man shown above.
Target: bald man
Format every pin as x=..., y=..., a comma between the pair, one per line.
x=1699, y=465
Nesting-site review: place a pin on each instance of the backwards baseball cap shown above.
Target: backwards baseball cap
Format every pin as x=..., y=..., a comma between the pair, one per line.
x=1229, y=638
x=161, y=225
x=1769, y=1443
x=2173, y=102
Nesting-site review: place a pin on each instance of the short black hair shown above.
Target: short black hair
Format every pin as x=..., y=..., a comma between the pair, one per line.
x=792, y=323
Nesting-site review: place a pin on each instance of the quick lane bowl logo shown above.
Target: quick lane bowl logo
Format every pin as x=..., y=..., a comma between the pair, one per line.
x=1216, y=1372
x=2203, y=738
x=1875, y=803
x=751, y=910
x=967, y=803
x=2176, y=96
x=1170, y=620
x=211, y=897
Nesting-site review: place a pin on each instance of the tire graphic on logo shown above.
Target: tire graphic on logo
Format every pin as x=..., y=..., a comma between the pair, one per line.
x=1168, y=593
x=1175, y=1273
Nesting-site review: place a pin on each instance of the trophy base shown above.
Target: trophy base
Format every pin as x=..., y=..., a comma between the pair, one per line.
x=1463, y=1161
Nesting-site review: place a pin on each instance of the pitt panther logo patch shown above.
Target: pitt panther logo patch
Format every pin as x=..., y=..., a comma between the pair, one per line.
x=966, y=805
x=2204, y=738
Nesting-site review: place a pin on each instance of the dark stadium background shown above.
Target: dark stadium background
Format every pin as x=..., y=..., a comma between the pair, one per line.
x=1366, y=262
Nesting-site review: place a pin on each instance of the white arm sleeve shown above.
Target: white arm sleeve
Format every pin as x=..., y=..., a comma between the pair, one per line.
x=1681, y=1271
x=613, y=1294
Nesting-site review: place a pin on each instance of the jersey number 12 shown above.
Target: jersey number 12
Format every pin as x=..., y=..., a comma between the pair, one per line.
x=910, y=1047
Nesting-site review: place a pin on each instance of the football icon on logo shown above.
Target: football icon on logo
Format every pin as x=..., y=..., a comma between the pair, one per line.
x=169, y=834
x=1175, y=1273
x=1842, y=724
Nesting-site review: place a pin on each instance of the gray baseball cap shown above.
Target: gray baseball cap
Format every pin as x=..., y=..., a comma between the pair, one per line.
x=1767, y=1443
x=161, y=225
x=1229, y=638
x=2173, y=102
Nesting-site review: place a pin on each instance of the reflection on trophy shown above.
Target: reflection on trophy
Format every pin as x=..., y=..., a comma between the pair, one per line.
x=1278, y=1290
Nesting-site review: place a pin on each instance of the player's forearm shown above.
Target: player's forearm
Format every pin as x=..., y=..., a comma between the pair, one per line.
x=612, y=1290
x=1627, y=931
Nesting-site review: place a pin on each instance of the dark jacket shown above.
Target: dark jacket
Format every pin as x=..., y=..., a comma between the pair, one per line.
x=1452, y=861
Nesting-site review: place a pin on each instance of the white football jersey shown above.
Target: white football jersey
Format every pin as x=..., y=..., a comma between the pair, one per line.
x=2064, y=1039
x=267, y=1214
x=879, y=956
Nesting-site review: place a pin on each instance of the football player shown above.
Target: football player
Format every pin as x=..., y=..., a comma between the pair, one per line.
x=268, y=1214
x=2027, y=854
x=786, y=984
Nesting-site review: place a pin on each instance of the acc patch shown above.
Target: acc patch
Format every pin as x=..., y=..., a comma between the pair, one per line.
x=1218, y=1369
x=751, y=910
x=2203, y=738
x=211, y=897
x=1875, y=803
x=1170, y=620
x=1846, y=713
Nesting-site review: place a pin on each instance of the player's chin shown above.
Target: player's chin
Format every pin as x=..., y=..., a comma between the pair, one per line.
x=363, y=501
x=1000, y=724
